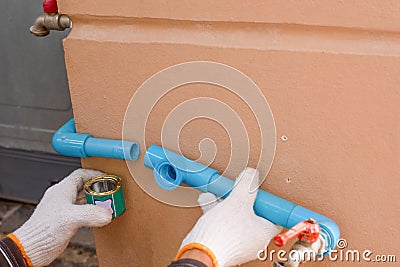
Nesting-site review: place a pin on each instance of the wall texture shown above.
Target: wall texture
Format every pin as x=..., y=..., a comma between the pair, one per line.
x=329, y=69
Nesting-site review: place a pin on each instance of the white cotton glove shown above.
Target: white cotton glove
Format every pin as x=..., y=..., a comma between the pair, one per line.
x=57, y=217
x=230, y=229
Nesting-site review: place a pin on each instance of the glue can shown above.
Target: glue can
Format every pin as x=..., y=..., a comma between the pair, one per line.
x=106, y=191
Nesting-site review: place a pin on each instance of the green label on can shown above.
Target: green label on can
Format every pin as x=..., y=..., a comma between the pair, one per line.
x=114, y=202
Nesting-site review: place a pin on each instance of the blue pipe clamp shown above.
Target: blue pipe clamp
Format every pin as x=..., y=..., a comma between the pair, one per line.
x=171, y=169
x=68, y=142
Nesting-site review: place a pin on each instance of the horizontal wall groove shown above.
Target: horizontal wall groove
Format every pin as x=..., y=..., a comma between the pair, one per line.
x=244, y=35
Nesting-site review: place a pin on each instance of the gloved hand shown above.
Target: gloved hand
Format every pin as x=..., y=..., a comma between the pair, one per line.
x=230, y=232
x=56, y=219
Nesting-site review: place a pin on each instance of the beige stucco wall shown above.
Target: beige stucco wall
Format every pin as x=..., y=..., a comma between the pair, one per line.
x=330, y=71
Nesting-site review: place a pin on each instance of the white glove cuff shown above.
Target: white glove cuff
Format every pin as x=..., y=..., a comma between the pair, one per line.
x=201, y=247
x=221, y=254
x=36, y=242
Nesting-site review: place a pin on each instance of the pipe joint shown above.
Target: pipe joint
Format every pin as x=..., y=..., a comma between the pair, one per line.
x=68, y=142
x=167, y=176
x=171, y=170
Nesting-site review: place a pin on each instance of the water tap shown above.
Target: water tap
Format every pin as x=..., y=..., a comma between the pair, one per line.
x=51, y=20
x=308, y=233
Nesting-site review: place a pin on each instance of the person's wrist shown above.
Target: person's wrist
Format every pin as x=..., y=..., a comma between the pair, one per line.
x=198, y=255
x=37, y=241
x=21, y=249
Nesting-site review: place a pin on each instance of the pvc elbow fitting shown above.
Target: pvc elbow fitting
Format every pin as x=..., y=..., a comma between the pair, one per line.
x=68, y=142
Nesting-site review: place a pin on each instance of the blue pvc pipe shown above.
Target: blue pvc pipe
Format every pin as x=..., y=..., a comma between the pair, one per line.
x=68, y=142
x=171, y=169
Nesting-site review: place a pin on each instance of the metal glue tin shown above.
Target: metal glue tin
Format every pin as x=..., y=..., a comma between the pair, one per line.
x=106, y=191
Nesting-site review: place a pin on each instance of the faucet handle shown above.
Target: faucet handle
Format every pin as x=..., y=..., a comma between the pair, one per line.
x=50, y=6
x=306, y=231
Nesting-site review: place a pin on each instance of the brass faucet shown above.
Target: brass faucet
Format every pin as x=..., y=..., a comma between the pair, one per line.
x=50, y=21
